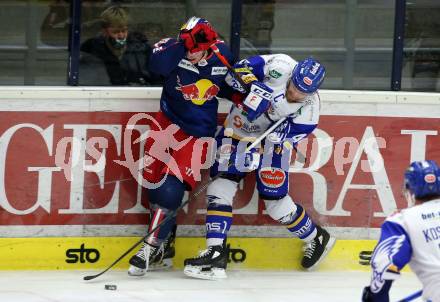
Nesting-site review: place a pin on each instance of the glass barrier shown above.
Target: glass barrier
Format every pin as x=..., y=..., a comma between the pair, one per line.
x=352, y=38
x=421, y=68
x=118, y=53
x=33, y=43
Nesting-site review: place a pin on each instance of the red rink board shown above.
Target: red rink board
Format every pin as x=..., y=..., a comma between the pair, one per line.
x=33, y=192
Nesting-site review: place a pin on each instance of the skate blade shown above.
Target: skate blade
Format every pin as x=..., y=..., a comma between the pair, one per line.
x=165, y=264
x=212, y=274
x=330, y=244
x=135, y=271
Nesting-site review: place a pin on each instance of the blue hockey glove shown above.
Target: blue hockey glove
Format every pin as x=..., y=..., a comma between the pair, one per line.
x=367, y=295
x=257, y=101
x=237, y=162
x=248, y=161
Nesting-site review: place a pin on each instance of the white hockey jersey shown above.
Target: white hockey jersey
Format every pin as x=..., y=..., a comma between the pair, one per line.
x=410, y=236
x=274, y=71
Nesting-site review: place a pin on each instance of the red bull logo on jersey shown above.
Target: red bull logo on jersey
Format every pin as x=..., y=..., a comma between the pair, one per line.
x=199, y=92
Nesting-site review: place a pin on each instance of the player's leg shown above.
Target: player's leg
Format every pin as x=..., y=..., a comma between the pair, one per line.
x=180, y=176
x=211, y=263
x=158, y=250
x=318, y=241
x=272, y=184
x=160, y=254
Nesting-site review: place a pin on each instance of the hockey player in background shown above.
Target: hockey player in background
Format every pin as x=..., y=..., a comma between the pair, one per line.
x=193, y=78
x=295, y=98
x=410, y=236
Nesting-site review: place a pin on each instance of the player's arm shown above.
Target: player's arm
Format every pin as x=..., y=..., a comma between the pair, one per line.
x=255, y=98
x=250, y=70
x=290, y=133
x=166, y=55
x=391, y=254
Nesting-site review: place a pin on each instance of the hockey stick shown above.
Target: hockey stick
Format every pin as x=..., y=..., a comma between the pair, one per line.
x=412, y=296
x=232, y=70
x=365, y=257
x=174, y=213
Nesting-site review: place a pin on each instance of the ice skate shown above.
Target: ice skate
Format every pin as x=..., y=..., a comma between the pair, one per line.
x=316, y=250
x=210, y=264
x=166, y=260
x=147, y=254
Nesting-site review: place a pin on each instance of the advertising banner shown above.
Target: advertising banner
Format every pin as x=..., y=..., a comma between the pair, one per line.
x=67, y=168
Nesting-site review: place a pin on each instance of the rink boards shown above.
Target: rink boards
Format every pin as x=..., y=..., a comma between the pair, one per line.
x=100, y=252
x=66, y=184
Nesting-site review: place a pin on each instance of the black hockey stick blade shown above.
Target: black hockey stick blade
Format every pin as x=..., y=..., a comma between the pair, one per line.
x=174, y=213
x=365, y=257
x=91, y=277
x=171, y=215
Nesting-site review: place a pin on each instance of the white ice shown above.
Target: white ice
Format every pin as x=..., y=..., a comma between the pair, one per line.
x=174, y=286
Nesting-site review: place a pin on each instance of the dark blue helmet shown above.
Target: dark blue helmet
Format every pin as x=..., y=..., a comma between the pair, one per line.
x=308, y=75
x=422, y=178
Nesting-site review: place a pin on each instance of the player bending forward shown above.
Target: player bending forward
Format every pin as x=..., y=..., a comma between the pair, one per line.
x=410, y=236
x=193, y=79
x=295, y=98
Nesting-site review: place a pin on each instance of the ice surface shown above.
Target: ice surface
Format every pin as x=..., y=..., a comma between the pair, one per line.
x=174, y=286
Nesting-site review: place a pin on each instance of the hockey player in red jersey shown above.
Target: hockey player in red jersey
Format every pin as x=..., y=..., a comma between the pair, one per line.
x=193, y=77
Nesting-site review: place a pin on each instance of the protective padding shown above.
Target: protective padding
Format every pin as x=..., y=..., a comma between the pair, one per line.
x=221, y=191
x=169, y=195
x=277, y=209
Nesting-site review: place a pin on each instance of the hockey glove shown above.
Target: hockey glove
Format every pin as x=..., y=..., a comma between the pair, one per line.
x=367, y=295
x=246, y=75
x=199, y=38
x=257, y=101
x=251, y=160
x=245, y=162
x=381, y=296
x=237, y=162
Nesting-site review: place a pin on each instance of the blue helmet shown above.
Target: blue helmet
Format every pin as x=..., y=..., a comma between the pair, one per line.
x=308, y=75
x=422, y=178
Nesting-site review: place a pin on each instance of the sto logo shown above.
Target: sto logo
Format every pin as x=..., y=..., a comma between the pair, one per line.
x=199, y=92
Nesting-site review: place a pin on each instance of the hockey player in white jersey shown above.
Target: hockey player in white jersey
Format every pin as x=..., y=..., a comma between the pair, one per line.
x=410, y=236
x=293, y=95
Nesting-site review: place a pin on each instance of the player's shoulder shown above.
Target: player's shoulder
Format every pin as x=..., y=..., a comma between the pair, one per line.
x=279, y=62
x=278, y=70
x=395, y=216
x=400, y=216
x=279, y=59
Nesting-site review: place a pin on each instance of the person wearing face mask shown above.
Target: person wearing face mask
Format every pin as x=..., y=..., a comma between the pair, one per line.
x=124, y=54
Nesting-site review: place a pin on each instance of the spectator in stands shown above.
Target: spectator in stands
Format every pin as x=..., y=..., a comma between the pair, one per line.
x=124, y=54
x=422, y=43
